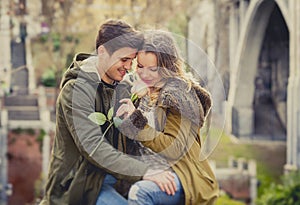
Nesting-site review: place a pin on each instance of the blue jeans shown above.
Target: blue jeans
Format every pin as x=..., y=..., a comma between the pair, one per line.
x=108, y=195
x=148, y=193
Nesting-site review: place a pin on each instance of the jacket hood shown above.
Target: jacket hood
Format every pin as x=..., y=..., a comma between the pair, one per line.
x=193, y=104
x=83, y=65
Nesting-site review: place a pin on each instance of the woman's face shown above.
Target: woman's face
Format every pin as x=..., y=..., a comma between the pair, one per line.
x=147, y=68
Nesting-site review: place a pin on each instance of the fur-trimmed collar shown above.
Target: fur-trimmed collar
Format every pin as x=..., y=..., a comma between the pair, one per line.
x=193, y=104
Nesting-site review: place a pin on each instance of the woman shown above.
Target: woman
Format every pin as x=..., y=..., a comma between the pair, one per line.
x=166, y=124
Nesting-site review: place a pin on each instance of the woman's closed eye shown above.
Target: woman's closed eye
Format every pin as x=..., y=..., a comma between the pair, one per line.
x=153, y=68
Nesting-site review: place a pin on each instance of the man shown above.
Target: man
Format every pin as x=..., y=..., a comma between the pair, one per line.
x=85, y=163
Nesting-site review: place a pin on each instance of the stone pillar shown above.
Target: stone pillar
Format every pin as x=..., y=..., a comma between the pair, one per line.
x=293, y=105
x=253, y=180
x=231, y=162
x=46, y=155
x=296, y=112
x=233, y=41
x=46, y=125
x=233, y=34
x=296, y=123
x=5, y=51
x=242, y=121
x=3, y=162
x=44, y=112
x=243, y=10
x=290, y=139
x=31, y=76
x=3, y=166
x=241, y=164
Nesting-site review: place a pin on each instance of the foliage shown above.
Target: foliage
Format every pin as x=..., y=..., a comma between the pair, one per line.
x=20, y=130
x=43, y=38
x=178, y=24
x=41, y=136
x=58, y=41
x=225, y=200
x=48, y=78
x=17, y=130
x=30, y=131
x=287, y=193
x=99, y=118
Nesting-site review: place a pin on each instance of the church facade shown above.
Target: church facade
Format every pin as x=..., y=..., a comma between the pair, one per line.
x=255, y=46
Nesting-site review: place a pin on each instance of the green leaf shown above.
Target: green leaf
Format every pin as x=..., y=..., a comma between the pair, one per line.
x=110, y=113
x=133, y=97
x=98, y=118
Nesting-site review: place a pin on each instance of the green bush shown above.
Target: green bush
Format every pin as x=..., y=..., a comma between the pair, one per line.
x=40, y=138
x=30, y=131
x=56, y=42
x=225, y=200
x=44, y=38
x=48, y=78
x=17, y=130
x=287, y=193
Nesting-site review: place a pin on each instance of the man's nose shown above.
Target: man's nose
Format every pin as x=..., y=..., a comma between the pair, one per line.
x=127, y=65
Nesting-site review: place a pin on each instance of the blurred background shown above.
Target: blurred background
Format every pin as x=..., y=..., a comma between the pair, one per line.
x=245, y=52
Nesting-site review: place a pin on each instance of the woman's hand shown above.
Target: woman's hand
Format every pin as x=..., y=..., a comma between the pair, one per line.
x=126, y=109
x=164, y=179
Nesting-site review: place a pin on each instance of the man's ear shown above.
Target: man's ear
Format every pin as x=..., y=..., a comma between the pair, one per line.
x=101, y=50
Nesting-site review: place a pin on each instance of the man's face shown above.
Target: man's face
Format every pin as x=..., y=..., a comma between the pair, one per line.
x=117, y=64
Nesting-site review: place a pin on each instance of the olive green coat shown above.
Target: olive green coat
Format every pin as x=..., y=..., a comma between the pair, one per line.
x=81, y=155
x=179, y=115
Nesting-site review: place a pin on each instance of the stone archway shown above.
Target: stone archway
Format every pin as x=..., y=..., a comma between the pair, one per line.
x=270, y=97
x=243, y=75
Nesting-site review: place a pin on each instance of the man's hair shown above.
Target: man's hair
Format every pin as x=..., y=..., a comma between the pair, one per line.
x=116, y=34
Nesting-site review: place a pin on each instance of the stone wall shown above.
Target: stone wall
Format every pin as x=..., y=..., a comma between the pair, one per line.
x=239, y=180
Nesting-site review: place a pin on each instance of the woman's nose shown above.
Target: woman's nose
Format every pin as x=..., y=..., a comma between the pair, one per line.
x=142, y=73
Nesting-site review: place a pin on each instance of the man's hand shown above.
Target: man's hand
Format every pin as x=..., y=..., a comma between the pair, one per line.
x=164, y=179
